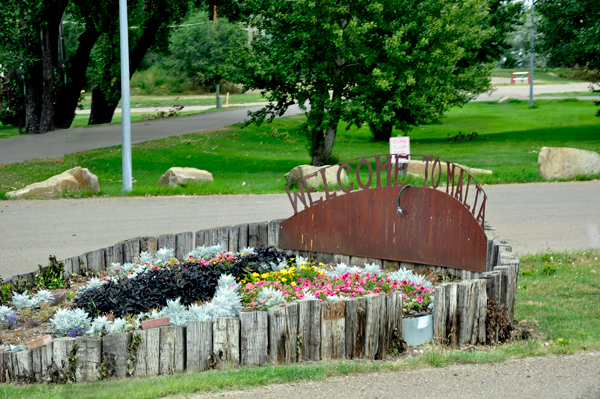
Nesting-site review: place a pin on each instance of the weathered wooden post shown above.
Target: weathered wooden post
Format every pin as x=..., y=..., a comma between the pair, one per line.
x=23, y=366
x=375, y=305
x=199, y=345
x=254, y=338
x=393, y=303
x=451, y=315
x=283, y=333
x=148, y=354
x=440, y=315
x=114, y=353
x=309, y=329
x=355, y=320
x=226, y=341
x=465, y=311
x=172, y=349
x=89, y=357
x=61, y=349
x=333, y=331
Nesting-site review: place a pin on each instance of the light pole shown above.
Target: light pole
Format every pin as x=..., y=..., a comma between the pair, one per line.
x=531, y=61
x=125, y=111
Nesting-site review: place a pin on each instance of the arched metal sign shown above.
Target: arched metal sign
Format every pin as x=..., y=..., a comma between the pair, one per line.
x=439, y=223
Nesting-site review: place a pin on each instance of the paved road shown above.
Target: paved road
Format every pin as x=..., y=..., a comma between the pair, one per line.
x=552, y=377
x=532, y=216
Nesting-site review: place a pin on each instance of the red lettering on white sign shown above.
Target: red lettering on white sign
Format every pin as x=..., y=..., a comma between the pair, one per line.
x=400, y=146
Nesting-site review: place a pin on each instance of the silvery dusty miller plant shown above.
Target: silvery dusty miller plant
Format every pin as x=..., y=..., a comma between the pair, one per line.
x=66, y=320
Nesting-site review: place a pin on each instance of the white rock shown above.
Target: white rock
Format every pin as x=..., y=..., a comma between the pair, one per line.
x=331, y=175
x=417, y=168
x=177, y=176
x=72, y=179
x=566, y=163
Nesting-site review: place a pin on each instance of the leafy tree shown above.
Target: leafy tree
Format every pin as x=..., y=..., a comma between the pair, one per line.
x=29, y=44
x=29, y=55
x=571, y=34
x=387, y=62
x=202, y=51
x=571, y=31
x=152, y=17
x=502, y=17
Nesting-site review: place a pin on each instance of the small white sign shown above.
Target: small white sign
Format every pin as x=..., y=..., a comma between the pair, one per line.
x=400, y=146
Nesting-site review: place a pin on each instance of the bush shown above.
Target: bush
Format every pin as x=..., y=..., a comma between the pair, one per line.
x=190, y=281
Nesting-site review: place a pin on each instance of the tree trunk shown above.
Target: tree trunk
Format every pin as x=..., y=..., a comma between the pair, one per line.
x=33, y=99
x=76, y=73
x=41, y=85
x=317, y=147
x=381, y=132
x=103, y=109
x=50, y=66
x=33, y=82
x=322, y=146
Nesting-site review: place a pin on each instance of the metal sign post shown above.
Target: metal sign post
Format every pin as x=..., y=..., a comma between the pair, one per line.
x=531, y=60
x=125, y=109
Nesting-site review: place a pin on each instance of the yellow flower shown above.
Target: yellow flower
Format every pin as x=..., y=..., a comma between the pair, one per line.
x=284, y=279
x=265, y=275
x=255, y=274
x=292, y=283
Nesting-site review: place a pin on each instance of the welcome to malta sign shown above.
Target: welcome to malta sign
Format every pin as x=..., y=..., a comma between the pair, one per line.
x=439, y=223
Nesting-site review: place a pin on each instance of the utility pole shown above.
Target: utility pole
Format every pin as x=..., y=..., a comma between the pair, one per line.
x=125, y=110
x=531, y=60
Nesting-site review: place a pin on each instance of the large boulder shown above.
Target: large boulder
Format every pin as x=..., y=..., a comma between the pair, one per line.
x=566, y=163
x=73, y=179
x=331, y=175
x=177, y=176
x=417, y=168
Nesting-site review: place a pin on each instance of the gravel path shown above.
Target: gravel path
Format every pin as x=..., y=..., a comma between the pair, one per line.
x=573, y=376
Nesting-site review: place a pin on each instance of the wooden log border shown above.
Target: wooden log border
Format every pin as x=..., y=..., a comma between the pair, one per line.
x=354, y=328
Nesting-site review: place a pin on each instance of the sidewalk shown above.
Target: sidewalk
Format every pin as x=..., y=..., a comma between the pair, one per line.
x=548, y=377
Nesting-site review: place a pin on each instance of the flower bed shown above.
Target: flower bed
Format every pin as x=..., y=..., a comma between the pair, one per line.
x=208, y=284
x=306, y=281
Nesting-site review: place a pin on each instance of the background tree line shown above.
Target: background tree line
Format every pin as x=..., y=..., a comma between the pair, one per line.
x=46, y=64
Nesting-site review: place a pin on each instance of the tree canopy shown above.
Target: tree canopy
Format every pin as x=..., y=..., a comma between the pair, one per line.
x=387, y=63
x=44, y=89
x=571, y=32
x=202, y=50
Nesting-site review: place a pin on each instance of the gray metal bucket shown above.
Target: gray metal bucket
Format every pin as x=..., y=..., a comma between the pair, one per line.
x=417, y=330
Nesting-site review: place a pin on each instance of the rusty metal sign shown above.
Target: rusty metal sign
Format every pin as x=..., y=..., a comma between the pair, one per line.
x=439, y=223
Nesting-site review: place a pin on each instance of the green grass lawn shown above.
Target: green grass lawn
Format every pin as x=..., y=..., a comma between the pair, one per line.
x=141, y=101
x=557, y=297
x=254, y=159
x=570, y=94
